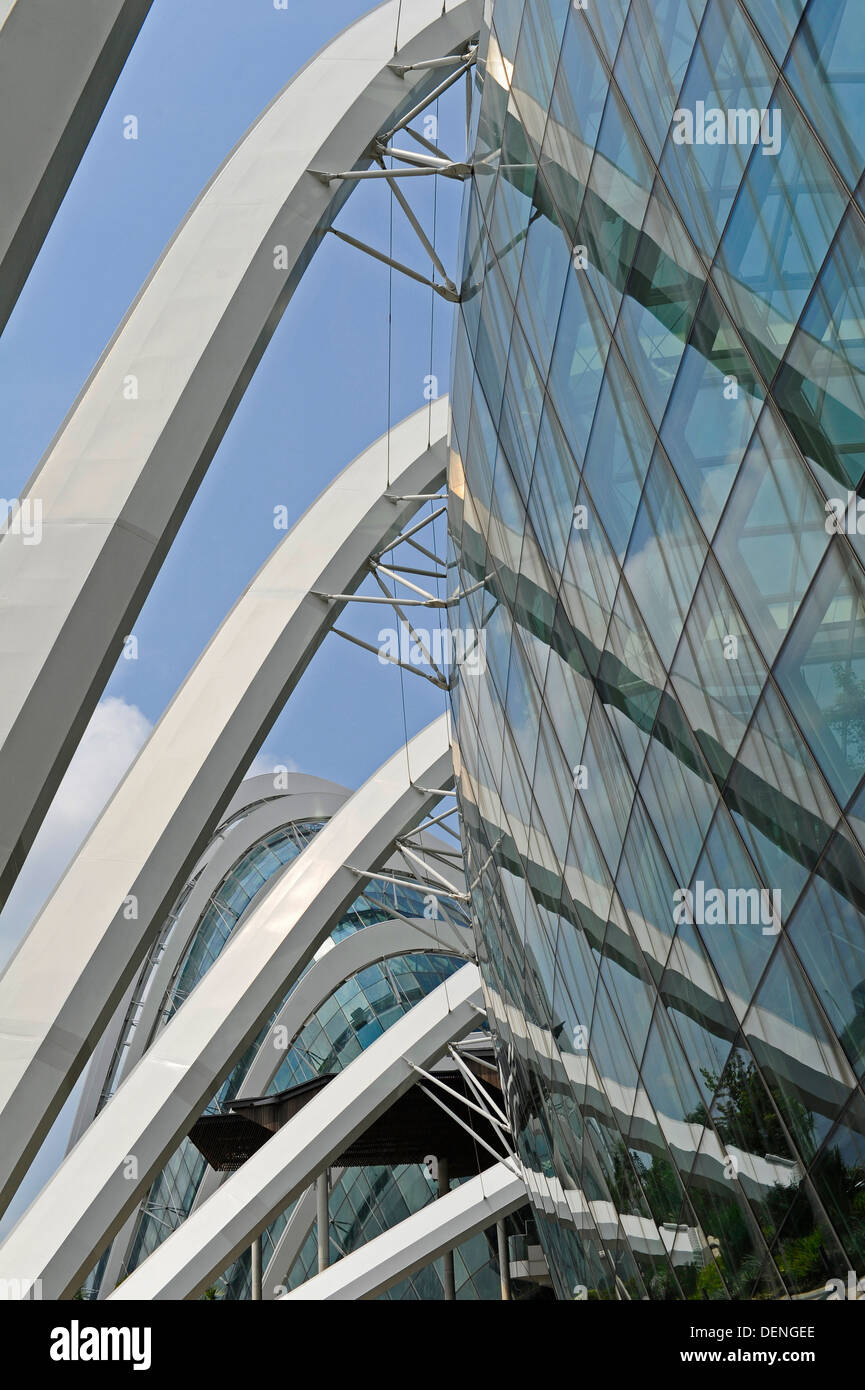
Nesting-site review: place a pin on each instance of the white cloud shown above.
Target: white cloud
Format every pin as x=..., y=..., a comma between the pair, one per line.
x=115, y=734
x=112, y=739
x=268, y=763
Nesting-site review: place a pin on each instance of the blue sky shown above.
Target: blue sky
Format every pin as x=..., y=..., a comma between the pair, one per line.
x=196, y=79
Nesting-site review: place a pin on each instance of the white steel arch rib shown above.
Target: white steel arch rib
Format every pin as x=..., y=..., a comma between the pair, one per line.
x=58, y=65
x=120, y=474
x=334, y=964
x=61, y=987
x=264, y=811
x=252, y=1197
x=291, y=1239
x=317, y=799
x=419, y=1239
x=85, y=1202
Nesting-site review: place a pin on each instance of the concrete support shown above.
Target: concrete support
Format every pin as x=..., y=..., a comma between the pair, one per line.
x=58, y=65
x=448, y=1280
x=255, y=1251
x=419, y=1240
x=322, y=1216
x=504, y=1260
x=122, y=472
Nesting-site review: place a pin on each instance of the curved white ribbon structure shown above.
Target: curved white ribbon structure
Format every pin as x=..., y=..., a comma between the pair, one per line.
x=419, y=1239
x=61, y=987
x=252, y=1197
x=58, y=65
x=86, y=1201
x=123, y=469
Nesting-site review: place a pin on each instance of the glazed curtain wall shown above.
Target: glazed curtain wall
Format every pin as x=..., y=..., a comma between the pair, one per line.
x=360, y=1010
x=658, y=447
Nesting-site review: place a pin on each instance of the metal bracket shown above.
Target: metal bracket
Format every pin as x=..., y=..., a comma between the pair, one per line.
x=404, y=848
x=426, y=63
x=476, y=1087
x=447, y=291
x=409, y=883
x=439, y=682
x=437, y=820
x=509, y=1159
x=435, y=93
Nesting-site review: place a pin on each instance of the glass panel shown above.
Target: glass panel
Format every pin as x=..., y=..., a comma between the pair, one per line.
x=772, y=535
x=808, y=1075
x=646, y=884
x=554, y=488
x=780, y=802
x=831, y=87
x=575, y=118
x=619, y=453
x=608, y=790
x=579, y=355
x=820, y=387
x=776, y=22
x=653, y=59
x=614, y=206
x=828, y=932
x=537, y=56
x=727, y=71
x=680, y=799
x=545, y=267
x=652, y=335
x=779, y=232
x=731, y=913
x=607, y=22
x=718, y=674
x=712, y=412
x=821, y=671
x=665, y=557
x=838, y=1175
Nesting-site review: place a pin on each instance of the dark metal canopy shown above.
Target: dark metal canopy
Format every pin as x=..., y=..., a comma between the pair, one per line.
x=407, y=1132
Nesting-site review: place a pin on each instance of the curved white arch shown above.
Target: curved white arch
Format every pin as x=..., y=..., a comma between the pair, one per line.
x=419, y=1239
x=336, y=965
x=61, y=987
x=264, y=811
x=58, y=65
x=318, y=799
x=87, y=1199
x=333, y=965
x=291, y=1240
x=269, y=1181
x=121, y=473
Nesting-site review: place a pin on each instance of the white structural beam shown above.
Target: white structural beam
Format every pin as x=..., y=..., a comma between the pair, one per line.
x=86, y=1201
x=58, y=65
x=333, y=965
x=338, y=963
x=61, y=987
x=291, y=1239
x=272, y=1178
x=119, y=477
x=125, y=1040
x=419, y=1239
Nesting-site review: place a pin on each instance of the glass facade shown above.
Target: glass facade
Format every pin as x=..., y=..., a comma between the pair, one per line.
x=367, y=1201
x=658, y=447
x=364, y=1201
